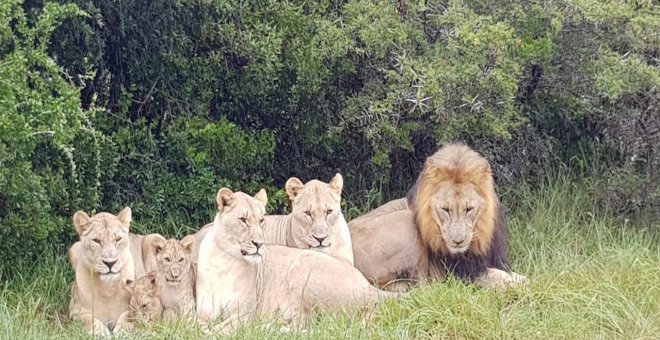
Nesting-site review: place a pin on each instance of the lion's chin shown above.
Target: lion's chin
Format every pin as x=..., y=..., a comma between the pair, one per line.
x=109, y=277
x=253, y=258
x=453, y=250
x=321, y=248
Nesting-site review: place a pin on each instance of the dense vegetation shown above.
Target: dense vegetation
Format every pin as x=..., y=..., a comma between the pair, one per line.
x=156, y=104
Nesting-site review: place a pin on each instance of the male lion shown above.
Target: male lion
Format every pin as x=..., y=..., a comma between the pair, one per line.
x=144, y=305
x=315, y=222
x=103, y=263
x=451, y=221
x=239, y=277
x=177, y=272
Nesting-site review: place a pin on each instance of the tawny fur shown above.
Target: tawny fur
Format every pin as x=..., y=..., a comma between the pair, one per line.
x=402, y=241
x=457, y=165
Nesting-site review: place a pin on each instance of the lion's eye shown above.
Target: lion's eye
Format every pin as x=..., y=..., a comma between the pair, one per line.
x=97, y=241
x=144, y=306
x=308, y=213
x=181, y=259
x=242, y=219
x=328, y=212
x=117, y=239
x=167, y=259
x=468, y=209
x=446, y=210
x=261, y=221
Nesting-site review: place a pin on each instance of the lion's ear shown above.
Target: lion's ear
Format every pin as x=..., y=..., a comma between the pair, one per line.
x=224, y=198
x=262, y=197
x=188, y=243
x=124, y=217
x=294, y=187
x=337, y=184
x=157, y=244
x=82, y=222
x=154, y=283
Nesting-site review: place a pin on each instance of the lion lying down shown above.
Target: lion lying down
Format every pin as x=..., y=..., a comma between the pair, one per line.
x=239, y=277
x=102, y=263
x=315, y=222
x=451, y=222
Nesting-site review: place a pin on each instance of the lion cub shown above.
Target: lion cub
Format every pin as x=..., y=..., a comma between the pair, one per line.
x=144, y=305
x=177, y=274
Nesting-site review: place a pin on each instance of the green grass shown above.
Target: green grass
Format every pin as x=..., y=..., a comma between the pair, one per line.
x=591, y=276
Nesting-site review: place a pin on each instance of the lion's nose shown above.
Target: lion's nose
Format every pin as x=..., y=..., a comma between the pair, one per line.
x=320, y=238
x=110, y=263
x=258, y=244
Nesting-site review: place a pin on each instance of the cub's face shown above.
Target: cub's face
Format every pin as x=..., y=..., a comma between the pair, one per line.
x=315, y=208
x=173, y=257
x=456, y=212
x=104, y=239
x=145, y=305
x=241, y=218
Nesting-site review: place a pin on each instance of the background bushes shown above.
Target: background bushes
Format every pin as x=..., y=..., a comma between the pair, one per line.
x=156, y=104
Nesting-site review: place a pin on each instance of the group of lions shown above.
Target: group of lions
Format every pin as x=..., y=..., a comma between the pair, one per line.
x=247, y=264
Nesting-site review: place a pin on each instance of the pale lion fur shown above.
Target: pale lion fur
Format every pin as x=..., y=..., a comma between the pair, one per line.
x=98, y=296
x=315, y=210
x=176, y=274
x=239, y=277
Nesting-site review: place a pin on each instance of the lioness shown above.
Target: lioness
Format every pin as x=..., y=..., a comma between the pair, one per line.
x=315, y=222
x=239, y=276
x=177, y=273
x=103, y=262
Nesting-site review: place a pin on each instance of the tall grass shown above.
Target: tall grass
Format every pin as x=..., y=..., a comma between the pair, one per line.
x=592, y=275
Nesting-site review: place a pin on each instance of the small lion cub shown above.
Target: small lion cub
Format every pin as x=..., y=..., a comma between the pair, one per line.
x=145, y=305
x=175, y=268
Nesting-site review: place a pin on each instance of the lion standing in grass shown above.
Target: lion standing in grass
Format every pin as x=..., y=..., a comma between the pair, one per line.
x=450, y=223
x=102, y=263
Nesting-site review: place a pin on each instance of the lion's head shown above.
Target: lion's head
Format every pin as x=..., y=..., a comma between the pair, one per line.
x=241, y=219
x=173, y=257
x=455, y=203
x=104, y=240
x=315, y=208
x=145, y=302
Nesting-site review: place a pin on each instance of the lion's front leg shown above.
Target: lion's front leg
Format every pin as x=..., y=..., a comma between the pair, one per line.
x=92, y=325
x=124, y=324
x=496, y=278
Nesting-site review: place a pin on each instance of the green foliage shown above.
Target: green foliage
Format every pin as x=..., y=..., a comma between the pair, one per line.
x=40, y=119
x=157, y=104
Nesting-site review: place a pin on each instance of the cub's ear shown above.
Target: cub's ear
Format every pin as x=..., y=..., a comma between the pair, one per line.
x=82, y=222
x=188, y=243
x=124, y=217
x=224, y=198
x=129, y=285
x=261, y=197
x=157, y=244
x=337, y=184
x=154, y=283
x=294, y=187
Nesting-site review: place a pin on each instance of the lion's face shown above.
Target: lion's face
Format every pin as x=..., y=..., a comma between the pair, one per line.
x=456, y=211
x=315, y=208
x=104, y=239
x=145, y=302
x=173, y=257
x=241, y=218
